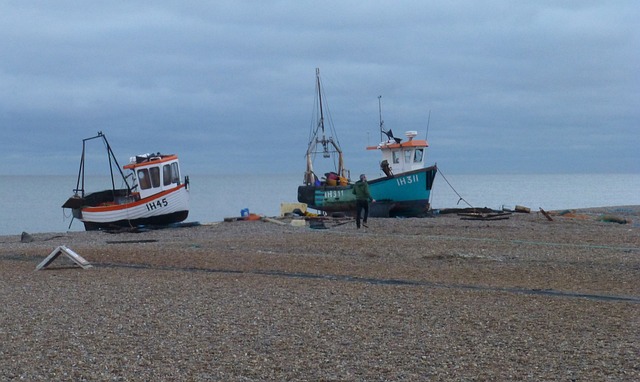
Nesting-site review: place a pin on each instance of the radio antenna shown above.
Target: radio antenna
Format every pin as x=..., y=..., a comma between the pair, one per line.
x=428, y=121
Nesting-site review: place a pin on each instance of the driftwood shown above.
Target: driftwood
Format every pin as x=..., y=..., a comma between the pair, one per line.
x=270, y=220
x=343, y=221
x=485, y=216
x=471, y=210
x=322, y=221
x=546, y=214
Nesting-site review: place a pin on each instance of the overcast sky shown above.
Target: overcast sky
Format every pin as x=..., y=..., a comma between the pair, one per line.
x=511, y=86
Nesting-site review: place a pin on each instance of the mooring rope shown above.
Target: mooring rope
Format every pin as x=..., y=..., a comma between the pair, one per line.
x=454, y=190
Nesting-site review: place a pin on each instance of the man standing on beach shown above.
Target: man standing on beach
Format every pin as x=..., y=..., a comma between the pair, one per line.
x=361, y=190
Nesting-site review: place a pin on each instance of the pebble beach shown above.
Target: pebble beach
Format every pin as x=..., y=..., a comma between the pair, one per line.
x=444, y=298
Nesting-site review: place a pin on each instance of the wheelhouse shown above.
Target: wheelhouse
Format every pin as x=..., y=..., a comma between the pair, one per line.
x=154, y=173
x=400, y=157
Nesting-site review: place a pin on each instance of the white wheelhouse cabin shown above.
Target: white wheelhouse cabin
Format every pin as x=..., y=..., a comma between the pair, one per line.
x=401, y=157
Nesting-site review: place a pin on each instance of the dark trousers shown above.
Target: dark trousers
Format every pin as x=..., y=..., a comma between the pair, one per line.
x=362, y=206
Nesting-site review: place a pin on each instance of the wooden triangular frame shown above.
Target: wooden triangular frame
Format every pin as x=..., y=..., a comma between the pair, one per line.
x=63, y=250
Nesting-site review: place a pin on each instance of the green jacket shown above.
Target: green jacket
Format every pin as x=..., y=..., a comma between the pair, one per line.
x=361, y=190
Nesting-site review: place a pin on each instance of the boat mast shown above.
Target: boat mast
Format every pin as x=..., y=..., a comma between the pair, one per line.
x=381, y=121
x=309, y=177
x=426, y=135
x=325, y=149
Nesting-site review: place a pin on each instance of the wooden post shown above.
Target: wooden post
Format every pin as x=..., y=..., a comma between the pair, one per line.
x=546, y=214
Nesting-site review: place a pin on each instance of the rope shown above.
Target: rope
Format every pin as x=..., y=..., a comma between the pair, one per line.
x=454, y=190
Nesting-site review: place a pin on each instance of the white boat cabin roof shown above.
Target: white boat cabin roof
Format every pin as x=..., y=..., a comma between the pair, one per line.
x=403, y=156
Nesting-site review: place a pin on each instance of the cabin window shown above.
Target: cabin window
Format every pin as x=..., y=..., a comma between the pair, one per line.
x=418, y=157
x=396, y=157
x=155, y=176
x=143, y=179
x=175, y=173
x=170, y=174
x=166, y=174
x=407, y=156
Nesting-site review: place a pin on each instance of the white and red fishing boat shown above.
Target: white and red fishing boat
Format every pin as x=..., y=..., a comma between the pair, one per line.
x=152, y=194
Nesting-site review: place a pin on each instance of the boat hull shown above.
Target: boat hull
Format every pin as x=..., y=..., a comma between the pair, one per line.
x=167, y=207
x=405, y=195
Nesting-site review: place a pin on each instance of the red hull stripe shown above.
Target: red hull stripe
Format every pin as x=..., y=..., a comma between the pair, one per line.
x=117, y=207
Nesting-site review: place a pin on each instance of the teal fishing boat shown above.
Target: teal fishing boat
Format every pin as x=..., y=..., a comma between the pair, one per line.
x=404, y=190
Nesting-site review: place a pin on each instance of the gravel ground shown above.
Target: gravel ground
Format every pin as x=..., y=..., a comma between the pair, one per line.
x=437, y=299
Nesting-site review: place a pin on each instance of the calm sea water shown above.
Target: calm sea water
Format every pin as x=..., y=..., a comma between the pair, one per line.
x=32, y=203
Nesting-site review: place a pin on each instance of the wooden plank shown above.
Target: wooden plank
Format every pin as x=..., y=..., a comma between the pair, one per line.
x=270, y=220
x=484, y=218
x=546, y=214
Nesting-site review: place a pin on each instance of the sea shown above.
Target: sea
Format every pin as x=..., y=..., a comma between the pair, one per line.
x=33, y=203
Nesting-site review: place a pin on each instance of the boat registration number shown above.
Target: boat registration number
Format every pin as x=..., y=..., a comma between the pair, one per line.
x=333, y=194
x=409, y=179
x=157, y=204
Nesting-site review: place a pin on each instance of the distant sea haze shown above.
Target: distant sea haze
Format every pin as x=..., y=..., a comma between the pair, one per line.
x=33, y=203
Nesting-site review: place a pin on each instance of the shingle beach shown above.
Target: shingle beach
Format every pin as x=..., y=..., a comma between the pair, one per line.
x=420, y=299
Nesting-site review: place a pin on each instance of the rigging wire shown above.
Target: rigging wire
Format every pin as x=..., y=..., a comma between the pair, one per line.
x=454, y=190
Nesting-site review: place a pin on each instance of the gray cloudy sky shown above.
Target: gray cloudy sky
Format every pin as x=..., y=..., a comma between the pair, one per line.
x=512, y=86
